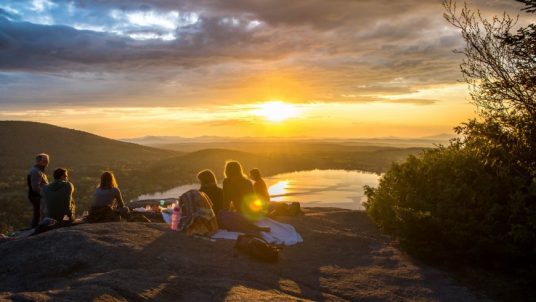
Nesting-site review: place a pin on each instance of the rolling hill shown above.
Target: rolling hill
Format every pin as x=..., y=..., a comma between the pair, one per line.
x=20, y=141
x=85, y=155
x=142, y=169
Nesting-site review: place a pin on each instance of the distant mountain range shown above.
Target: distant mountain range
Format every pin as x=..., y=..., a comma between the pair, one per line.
x=166, y=141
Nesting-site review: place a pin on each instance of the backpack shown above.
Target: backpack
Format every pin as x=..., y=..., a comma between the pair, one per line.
x=257, y=248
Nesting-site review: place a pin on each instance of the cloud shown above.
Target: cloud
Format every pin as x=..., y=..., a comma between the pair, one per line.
x=230, y=123
x=411, y=101
x=208, y=51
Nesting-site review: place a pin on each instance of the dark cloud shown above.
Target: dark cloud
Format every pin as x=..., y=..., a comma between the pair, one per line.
x=202, y=50
x=27, y=46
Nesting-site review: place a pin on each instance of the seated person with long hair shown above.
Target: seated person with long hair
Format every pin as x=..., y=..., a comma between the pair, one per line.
x=227, y=220
x=108, y=201
x=237, y=189
x=207, y=179
x=259, y=186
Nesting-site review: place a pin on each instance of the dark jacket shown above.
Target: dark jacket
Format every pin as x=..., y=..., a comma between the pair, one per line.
x=215, y=194
x=58, y=197
x=36, y=180
x=237, y=190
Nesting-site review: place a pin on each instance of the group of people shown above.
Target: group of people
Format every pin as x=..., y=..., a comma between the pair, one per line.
x=234, y=205
x=239, y=201
x=55, y=199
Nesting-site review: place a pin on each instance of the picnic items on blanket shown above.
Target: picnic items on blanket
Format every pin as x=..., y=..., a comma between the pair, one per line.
x=257, y=248
x=284, y=209
x=280, y=233
x=197, y=216
x=175, y=217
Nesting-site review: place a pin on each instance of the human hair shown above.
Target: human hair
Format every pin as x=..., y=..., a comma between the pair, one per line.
x=107, y=180
x=39, y=157
x=255, y=174
x=59, y=173
x=233, y=169
x=206, y=177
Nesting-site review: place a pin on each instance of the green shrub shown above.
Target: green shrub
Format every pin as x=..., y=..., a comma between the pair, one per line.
x=448, y=204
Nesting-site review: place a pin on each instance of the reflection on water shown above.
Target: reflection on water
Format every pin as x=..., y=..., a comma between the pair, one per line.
x=322, y=188
x=315, y=188
x=278, y=189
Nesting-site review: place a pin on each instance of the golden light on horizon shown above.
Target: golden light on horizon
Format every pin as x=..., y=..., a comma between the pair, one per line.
x=276, y=111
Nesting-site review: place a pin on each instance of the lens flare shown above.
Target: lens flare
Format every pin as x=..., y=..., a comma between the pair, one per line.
x=253, y=208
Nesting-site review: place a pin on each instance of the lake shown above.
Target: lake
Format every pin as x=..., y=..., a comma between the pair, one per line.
x=314, y=188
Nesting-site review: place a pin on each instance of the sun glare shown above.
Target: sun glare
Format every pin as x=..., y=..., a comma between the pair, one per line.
x=278, y=190
x=276, y=111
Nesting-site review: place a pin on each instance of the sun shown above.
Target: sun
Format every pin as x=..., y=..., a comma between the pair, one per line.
x=276, y=111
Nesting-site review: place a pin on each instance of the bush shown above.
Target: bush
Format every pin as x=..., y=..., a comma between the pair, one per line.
x=475, y=200
x=448, y=204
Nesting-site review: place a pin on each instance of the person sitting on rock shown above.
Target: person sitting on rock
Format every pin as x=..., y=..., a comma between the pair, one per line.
x=227, y=220
x=259, y=186
x=108, y=202
x=237, y=189
x=58, y=197
x=207, y=179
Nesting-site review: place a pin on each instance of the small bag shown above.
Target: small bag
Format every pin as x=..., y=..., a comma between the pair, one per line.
x=257, y=248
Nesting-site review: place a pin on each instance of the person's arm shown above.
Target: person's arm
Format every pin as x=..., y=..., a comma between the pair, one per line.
x=258, y=189
x=226, y=198
x=249, y=187
x=265, y=193
x=72, y=207
x=119, y=198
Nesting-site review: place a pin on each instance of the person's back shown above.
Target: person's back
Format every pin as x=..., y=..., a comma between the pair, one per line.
x=209, y=186
x=259, y=186
x=108, y=202
x=36, y=180
x=109, y=197
x=58, y=197
x=215, y=194
x=237, y=190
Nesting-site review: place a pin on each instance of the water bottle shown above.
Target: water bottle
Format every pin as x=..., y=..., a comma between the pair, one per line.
x=175, y=217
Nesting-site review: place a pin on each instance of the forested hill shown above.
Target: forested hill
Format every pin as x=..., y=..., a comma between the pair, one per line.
x=21, y=141
x=141, y=169
x=85, y=155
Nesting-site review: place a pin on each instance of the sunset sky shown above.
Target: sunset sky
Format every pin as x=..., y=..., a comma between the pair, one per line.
x=299, y=68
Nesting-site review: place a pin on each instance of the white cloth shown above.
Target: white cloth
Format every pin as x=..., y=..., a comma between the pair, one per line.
x=280, y=233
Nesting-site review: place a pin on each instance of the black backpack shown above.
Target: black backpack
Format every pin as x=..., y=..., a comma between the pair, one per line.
x=257, y=248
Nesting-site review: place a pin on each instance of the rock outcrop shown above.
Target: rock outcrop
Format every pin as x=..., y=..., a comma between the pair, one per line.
x=343, y=257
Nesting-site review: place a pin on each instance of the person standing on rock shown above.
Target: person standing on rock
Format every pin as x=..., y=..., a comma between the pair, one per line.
x=58, y=197
x=36, y=180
